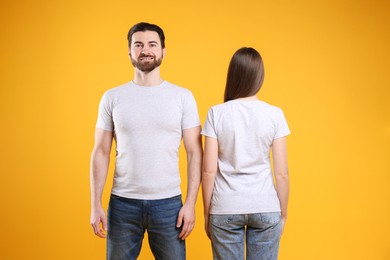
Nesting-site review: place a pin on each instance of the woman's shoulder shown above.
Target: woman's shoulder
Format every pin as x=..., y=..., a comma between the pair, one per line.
x=268, y=106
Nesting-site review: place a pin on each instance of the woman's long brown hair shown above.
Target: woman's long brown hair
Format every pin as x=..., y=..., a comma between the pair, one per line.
x=245, y=74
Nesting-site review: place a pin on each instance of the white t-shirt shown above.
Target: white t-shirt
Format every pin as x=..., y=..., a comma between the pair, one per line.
x=147, y=123
x=245, y=130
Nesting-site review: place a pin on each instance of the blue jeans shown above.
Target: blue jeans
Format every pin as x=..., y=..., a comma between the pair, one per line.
x=129, y=218
x=261, y=231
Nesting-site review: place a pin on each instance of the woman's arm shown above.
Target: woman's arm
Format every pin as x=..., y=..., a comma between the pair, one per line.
x=210, y=164
x=279, y=154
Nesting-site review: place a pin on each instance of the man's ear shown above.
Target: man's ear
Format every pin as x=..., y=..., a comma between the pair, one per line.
x=164, y=51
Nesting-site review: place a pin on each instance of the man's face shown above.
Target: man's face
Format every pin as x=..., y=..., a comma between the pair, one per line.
x=145, y=51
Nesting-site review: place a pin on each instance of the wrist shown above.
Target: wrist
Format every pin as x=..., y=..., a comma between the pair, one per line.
x=190, y=202
x=96, y=204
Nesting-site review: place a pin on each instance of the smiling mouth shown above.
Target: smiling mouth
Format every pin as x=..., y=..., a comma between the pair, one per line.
x=146, y=58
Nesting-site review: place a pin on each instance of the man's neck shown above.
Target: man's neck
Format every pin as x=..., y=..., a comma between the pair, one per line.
x=147, y=79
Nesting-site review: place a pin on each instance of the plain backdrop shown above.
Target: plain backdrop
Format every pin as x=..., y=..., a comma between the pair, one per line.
x=326, y=65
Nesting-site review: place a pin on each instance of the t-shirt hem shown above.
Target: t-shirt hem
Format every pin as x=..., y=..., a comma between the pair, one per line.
x=245, y=211
x=191, y=126
x=208, y=135
x=146, y=197
x=282, y=135
x=104, y=128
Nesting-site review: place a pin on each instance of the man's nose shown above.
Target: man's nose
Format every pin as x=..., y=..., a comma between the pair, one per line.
x=145, y=49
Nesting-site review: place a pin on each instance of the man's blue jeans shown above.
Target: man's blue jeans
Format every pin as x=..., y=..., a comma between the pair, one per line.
x=129, y=218
x=261, y=232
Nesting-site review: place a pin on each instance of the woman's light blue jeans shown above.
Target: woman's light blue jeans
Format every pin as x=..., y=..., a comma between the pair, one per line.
x=129, y=218
x=261, y=232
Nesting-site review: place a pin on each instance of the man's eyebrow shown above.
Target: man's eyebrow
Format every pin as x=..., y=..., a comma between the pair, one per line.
x=139, y=42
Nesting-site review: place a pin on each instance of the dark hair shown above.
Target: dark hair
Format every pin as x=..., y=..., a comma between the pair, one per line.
x=142, y=27
x=245, y=74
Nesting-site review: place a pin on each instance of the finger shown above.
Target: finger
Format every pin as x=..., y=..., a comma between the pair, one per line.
x=101, y=233
x=184, y=230
x=184, y=235
x=179, y=220
x=94, y=228
x=188, y=231
x=97, y=230
x=104, y=222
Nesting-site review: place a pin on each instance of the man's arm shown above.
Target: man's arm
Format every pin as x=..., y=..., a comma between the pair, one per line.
x=279, y=154
x=193, y=146
x=100, y=161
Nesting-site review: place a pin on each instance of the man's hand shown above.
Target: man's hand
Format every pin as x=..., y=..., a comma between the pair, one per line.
x=186, y=220
x=99, y=216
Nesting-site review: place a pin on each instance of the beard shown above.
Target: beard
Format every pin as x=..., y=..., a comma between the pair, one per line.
x=146, y=66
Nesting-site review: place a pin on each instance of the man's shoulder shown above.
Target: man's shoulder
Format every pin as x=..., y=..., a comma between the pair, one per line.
x=118, y=89
x=177, y=88
x=115, y=92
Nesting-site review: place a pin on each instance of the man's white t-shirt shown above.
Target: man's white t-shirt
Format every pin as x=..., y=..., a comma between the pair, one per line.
x=147, y=123
x=245, y=130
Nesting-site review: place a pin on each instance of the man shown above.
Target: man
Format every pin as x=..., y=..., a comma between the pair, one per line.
x=147, y=117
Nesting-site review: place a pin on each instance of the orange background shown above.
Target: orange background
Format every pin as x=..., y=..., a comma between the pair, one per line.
x=327, y=66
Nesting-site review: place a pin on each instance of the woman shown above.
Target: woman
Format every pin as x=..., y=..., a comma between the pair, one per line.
x=239, y=196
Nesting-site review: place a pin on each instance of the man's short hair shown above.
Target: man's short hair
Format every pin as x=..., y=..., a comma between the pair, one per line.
x=142, y=27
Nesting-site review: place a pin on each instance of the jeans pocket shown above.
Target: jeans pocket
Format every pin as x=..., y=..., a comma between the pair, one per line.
x=271, y=218
x=221, y=220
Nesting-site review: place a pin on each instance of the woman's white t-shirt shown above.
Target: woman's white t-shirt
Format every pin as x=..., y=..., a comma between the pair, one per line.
x=245, y=130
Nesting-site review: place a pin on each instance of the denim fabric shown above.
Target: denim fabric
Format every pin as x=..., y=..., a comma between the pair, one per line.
x=129, y=218
x=261, y=232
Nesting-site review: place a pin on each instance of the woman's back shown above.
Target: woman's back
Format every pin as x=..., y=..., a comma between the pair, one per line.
x=245, y=130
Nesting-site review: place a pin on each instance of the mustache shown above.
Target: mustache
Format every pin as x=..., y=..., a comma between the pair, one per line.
x=145, y=56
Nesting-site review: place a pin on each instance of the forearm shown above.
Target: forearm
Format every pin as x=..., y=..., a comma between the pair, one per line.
x=208, y=179
x=279, y=152
x=282, y=188
x=194, y=160
x=100, y=161
x=209, y=171
x=99, y=169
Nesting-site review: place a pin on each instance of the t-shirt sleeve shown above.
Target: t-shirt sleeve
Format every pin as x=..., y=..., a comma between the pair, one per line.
x=190, y=112
x=209, y=126
x=281, y=125
x=104, y=120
